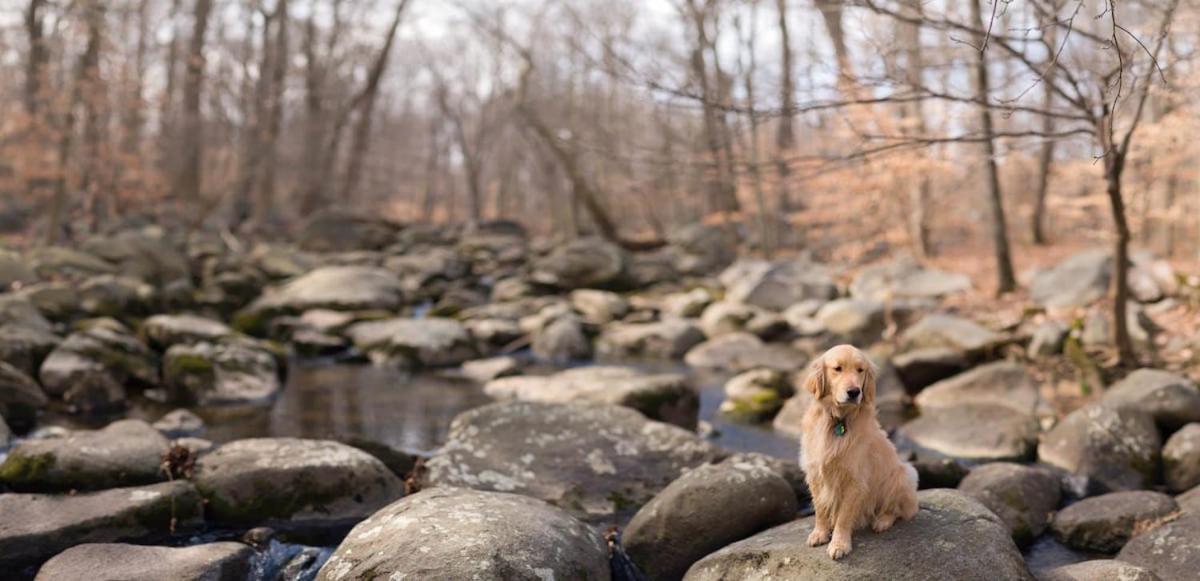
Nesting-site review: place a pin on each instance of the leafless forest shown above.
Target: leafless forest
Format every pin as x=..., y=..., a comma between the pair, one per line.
x=842, y=128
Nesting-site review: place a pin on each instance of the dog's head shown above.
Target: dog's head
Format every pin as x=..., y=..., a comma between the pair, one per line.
x=843, y=377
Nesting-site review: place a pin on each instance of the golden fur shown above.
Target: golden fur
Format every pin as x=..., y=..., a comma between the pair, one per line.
x=855, y=478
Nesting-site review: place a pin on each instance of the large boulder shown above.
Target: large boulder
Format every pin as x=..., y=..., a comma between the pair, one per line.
x=224, y=561
x=562, y=340
x=145, y=255
x=1181, y=459
x=339, y=288
x=903, y=278
x=1103, y=524
x=756, y=395
x=1002, y=383
x=952, y=537
x=1114, y=448
x=38, y=526
x=583, y=263
x=777, y=285
x=116, y=296
x=940, y=330
x=339, y=231
x=666, y=397
x=14, y=270
x=59, y=263
x=599, y=306
x=20, y=312
x=1170, y=551
x=595, y=460
x=430, y=342
x=1171, y=399
x=1074, y=282
x=125, y=453
x=220, y=374
x=20, y=397
x=1022, y=496
x=164, y=331
x=743, y=351
x=920, y=368
x=1097, y=570
x=668, y=339
x=702, y=248
x=293, y=484
x=456, y=533
x=972, y=432
x=706, y=509
x=856, y=320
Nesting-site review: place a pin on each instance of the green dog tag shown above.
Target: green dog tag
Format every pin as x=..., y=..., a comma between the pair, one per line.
x=839, y=428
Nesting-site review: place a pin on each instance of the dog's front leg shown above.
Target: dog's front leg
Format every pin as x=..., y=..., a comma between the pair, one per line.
x=821, y=530
x=843, y=524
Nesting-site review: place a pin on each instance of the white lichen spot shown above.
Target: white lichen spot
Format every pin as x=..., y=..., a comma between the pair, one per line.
x=599, y=463
x=544, y=573
x=144, y=495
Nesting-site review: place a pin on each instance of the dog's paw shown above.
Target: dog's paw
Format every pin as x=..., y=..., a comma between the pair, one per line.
x=838, y=549
x=818, y=537
x=883, y=523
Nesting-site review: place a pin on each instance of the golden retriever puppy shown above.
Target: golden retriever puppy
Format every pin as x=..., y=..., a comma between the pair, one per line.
x=851, y=467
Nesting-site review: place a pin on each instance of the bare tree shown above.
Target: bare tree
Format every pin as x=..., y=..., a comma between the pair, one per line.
x=188, y=182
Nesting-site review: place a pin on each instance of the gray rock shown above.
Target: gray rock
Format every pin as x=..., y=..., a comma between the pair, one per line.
x=562, y=341
x=90, y=369
x=125, y=453
x=5, y=434
x=1048, y=339
x=332, y=230
x=142, y=254
x=1116, y=449
x=26, y=347
x=1190, y=500
x=468, y=534
x=116, y=296
x=1022, y=496
x=1001, y=383
x=209, y=562
x=859, y=321
x=707, y=508
x=220, y=374
x=904, y=277
x=56, y=262
x=14, y=270
x=1074, y=282
x=20, y=397
x=952, y=537
x=431, y=342
x=599, y=306
x=687, y=304
x=939, y=330
x=921, y=368
x=1103, y=524
x=756, y=395
x=339, y=288
x=1171, y=551
x=180, y=423
x=567, y=454
x=38, y=526
x=743, y=351
x=19, y=312
x=668, y=339
x=583, y=263
x=790, y=418
x=778, y=285
x=485, y=370
x=1097, y=331
x=972, y=432
x=1181, y=459
x=426, y=274
x=293, y=484
x=1172, y=400
x=702, y=248
x=1098, y=570
x=165, y=331
x=666, y=397
x=58, y=301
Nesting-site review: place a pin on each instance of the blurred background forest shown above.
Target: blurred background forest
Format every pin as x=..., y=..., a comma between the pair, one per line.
x=845, y=128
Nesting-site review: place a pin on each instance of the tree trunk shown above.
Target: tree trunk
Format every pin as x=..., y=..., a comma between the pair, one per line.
x=1005, y=279
x=93, y=94
x=785, y=136
x=35, y=68
x=266, y=190
x=919, y=189
x=1114, y=165
x=188, y=184
x=370, y=94
x=1046, y=156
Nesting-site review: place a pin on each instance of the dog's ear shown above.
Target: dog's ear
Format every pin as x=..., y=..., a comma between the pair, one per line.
x=815, y=382
x=870, y=372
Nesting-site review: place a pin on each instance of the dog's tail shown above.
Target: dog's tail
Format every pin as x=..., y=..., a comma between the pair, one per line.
x=911, y=473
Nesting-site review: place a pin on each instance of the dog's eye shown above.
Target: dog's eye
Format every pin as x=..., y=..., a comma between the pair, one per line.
x=838, y=369
x=860, y=370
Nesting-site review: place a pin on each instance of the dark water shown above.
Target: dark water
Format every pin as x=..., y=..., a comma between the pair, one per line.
x=1047, y=553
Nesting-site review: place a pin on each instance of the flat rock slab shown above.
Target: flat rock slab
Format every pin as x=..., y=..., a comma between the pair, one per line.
x=1171, y=551
x=1098, y=570
x=595, y=460
x=293, y=484
x=456, y=533
x=126, y=453
x=668, y=339
x=210, y=562
x=972, y=432
x=38, y=526
x=1002, y=383
x=1171, y=399
x=1103, y=524
x=431, y=342
x=952, y=537
x=667, y=397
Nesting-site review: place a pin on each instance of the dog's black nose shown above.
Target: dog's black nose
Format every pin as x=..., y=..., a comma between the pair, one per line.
x=853, y=393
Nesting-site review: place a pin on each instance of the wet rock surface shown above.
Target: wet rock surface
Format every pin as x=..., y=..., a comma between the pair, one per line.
x=213, y=561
